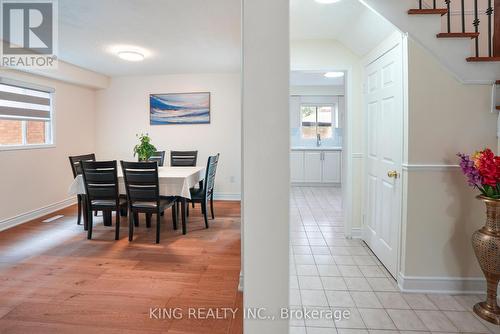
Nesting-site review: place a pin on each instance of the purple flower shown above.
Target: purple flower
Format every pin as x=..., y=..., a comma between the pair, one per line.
x=467, y=165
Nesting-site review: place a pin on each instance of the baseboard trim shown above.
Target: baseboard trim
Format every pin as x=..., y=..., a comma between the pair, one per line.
x=34, y=214
x=448, y=285
x=356, y=233
x=316, y=184
x=240, y=284
x=227, y=197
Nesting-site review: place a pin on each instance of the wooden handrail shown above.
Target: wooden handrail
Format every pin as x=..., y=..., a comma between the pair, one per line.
x=496, y=30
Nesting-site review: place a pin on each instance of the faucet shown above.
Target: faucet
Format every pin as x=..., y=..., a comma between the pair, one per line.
x=318, y=140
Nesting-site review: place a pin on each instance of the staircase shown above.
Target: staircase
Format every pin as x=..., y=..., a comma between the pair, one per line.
x=483, y=27
x=474, y=19
x=464, y=39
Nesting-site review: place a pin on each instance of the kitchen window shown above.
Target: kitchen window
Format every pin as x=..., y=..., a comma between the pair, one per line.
x=318, y=120
x=26, y=115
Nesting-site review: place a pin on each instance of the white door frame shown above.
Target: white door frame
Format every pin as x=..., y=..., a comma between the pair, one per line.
x=347, y=155
x=397, y=38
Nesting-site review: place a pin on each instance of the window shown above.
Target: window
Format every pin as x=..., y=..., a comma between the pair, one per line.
x=25, y=115
x=318, y=119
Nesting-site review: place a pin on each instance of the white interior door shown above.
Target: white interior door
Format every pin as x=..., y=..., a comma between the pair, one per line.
x=384, y=120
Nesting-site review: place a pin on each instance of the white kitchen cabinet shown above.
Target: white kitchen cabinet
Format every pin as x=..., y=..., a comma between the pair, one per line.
x=312, y=166
x=297, y=166
x=316, y=166
x=332, y=167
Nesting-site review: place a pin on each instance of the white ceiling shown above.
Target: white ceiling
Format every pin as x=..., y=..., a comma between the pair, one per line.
x=313, y=78
x=180, y=36
x=193, y=36
x=348, y=21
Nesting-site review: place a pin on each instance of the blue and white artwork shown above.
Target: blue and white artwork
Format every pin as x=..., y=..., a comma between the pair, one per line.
x=179, y=108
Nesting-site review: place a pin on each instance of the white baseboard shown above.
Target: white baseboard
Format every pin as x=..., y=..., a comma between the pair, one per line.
x=356, y=233
x=316, y=184
x=240, y=285
x=448, y=285
x=25, y=217
x=227, y=196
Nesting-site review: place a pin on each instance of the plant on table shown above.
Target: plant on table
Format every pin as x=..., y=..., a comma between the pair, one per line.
x=144, y=150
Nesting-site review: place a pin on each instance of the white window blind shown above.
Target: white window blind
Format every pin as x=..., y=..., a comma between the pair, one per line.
x=23, y=102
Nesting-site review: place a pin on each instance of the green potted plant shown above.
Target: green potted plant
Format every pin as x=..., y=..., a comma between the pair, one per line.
x=144, y=150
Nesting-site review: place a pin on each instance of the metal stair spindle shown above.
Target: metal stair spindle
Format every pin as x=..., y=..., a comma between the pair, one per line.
x=489, y=12
x=463, y=16
x=476, y=25
x=448, y=19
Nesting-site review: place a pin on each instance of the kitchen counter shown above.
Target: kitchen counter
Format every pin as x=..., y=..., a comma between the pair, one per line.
x=314, y=148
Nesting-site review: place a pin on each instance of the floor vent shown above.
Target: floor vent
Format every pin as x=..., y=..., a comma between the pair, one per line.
x=51, y=219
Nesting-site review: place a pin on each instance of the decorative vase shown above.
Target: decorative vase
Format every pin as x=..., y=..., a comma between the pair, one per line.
x=486, y=243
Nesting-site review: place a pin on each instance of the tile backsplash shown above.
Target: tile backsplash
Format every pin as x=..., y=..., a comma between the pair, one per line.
x=298, y=141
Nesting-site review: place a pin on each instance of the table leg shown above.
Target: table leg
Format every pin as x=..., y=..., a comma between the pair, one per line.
x=107, y=218
x=183, y=215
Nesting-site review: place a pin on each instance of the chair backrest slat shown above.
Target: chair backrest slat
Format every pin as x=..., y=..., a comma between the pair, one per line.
x=183, y=158
x=159, y=157
x=100, y=179
x=74, y=160
x=210, y=175
x=141, y=181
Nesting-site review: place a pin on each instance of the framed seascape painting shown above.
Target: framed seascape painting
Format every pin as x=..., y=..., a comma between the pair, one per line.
x=179, y=108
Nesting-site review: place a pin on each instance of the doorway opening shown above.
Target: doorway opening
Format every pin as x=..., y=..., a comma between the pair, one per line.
x=346, y=61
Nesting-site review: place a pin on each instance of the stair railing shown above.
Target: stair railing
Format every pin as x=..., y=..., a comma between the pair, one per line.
x=469, y=19
x=496, y=29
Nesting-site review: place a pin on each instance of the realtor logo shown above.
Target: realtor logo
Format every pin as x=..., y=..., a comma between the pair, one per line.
x=29, y=33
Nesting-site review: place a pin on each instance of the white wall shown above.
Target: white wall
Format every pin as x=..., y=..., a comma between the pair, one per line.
x=266, y=176
x=445, y=117
x=36, y=178
x=317, y=90
x=123, y=111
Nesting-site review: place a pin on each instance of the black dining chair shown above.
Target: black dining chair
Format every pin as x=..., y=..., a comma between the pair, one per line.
x=183, y=158
x=143, y=195
x=76, y=168
x=206, y=193
x=101, y=185
x=159, y=157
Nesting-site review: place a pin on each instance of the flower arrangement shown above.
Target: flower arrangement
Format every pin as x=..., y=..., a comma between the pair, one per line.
x=482, y=171
x=144, y=150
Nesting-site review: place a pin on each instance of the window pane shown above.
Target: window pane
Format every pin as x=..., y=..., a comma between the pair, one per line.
x=308, y=122
x=325, y=116
x=35, y=132
x=11, y=132
x=308, y=115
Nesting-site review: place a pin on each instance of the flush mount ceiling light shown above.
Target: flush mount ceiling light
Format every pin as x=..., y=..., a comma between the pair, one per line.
x=334, y=74
x=327, y=1
x=131, y=55
x=129, y=52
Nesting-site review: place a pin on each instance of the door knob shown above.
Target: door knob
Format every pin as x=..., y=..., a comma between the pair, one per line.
x=393, y=173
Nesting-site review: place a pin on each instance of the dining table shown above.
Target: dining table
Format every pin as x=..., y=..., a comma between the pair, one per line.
x=173, y=182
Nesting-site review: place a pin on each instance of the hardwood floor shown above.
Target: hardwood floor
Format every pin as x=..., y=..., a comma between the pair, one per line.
x=53, y=280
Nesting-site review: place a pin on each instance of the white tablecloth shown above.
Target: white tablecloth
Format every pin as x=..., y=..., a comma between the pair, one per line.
x=174, y=181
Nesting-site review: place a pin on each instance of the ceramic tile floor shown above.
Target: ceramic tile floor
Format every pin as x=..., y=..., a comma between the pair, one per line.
x=328, y=271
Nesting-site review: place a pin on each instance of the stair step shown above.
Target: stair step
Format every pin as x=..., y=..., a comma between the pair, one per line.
x=440, y=11
x=458, y=35
x=476, y=59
